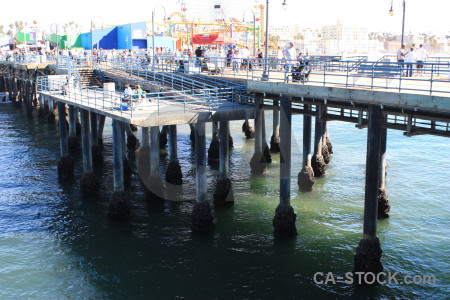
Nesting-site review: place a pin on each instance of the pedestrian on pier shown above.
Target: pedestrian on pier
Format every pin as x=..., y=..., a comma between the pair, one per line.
x=401, y=57
x=410, y=58
x=290, y=54
x=421, y=56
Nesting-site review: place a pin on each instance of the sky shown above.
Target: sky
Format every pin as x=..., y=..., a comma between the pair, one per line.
x=421, y=16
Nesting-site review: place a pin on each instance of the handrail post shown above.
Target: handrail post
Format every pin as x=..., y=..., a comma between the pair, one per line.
x=346, y=78
x=324, y=72
x=431, y=80
x=373, y=75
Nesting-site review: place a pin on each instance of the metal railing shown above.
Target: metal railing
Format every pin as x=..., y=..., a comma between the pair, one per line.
x=432, y=79
x=132, y=106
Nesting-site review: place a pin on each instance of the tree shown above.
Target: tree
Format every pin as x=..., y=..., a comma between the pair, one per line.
x=71, y=27
x=299, y=37
x=274, y=39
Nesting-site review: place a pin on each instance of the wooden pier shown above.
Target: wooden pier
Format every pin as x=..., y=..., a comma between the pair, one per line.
x=375, y=109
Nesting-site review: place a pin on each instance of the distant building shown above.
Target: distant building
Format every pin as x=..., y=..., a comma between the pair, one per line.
x=349, y=39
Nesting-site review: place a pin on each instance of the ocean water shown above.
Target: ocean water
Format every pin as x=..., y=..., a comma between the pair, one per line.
x=55, y=244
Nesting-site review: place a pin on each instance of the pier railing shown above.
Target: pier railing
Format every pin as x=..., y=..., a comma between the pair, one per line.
x=143, y=105
x=428, y=78
x=433, y=78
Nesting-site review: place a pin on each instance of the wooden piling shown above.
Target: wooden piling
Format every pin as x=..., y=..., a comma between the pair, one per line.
x=155, y=184
x=317, y=161
x=284, y=220
x=368, y=252
x=74, y=142
x=173, y=172
x=97, y=155
x=89, y=182
x=383, y=200
x=224, y=193
x=119, y=207
x=201, y=220
x=275, y=139
x=305, y=179
x=258, y=162
x=65, y=164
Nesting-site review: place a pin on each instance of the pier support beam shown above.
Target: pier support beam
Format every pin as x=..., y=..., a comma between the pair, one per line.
x=163, y=137
x=305, y=180
x=89, y=183
x=42, y=112
x=224, y=190
x=248, y=130
x=201, y=220
x=192, y=135
x=317, y=161
x=383, y=200
x=325, y=152
x=119, y=206
x=173, y=172
x=284, y=220
x=51, y=111
x=213, y=151
x=327, y=142
x=258, y=162
x=144, y=156
x=65, y=164
x=155, y=184
x=264, y=146
x=230, y=138
x=368, y=252
x=132, y=141
x=97, y=156
x=127, y=170
x=101, y=125
x=275, y=139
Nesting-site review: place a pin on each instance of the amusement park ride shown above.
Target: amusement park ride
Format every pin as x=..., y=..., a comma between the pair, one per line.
x=220, y=29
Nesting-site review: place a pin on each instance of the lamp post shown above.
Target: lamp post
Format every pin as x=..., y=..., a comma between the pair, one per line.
x=391, y=12
x=265, y=75
x=153, y=32
x=54, y=29
x=254, y=30
x=92, y=32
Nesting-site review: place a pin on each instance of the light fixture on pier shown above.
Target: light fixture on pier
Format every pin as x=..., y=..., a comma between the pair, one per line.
x=254, y=30
x=265, y=75
x=391, y=12
x=92, y=31
x=153, y=32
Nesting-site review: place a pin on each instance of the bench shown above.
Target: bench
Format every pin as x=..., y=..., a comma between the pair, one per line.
x=388, y=71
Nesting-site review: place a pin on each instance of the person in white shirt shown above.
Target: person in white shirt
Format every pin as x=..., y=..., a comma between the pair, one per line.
x=245, y=52
x=127, y=93
x=410, y=58
x=290, y=54
x=236, y=57
x=401, y=57
x=279, y=61
x=421, y=56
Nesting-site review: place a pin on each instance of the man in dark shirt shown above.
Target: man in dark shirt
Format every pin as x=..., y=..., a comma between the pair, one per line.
x=199, y=52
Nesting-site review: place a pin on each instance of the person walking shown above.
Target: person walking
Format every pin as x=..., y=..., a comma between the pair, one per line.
x=290, y=55
x=421, y=56
x=410, y=58
x=401, y=57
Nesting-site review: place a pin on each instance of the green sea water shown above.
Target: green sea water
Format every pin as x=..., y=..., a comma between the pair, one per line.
x=54, y=244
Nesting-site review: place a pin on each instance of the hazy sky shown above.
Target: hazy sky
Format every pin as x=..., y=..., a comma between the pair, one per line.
x=421, y=16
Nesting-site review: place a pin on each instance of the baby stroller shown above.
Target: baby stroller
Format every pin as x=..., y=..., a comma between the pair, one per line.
x=300, y=74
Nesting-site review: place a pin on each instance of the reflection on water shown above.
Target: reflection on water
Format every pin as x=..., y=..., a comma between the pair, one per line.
x=56, y=244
